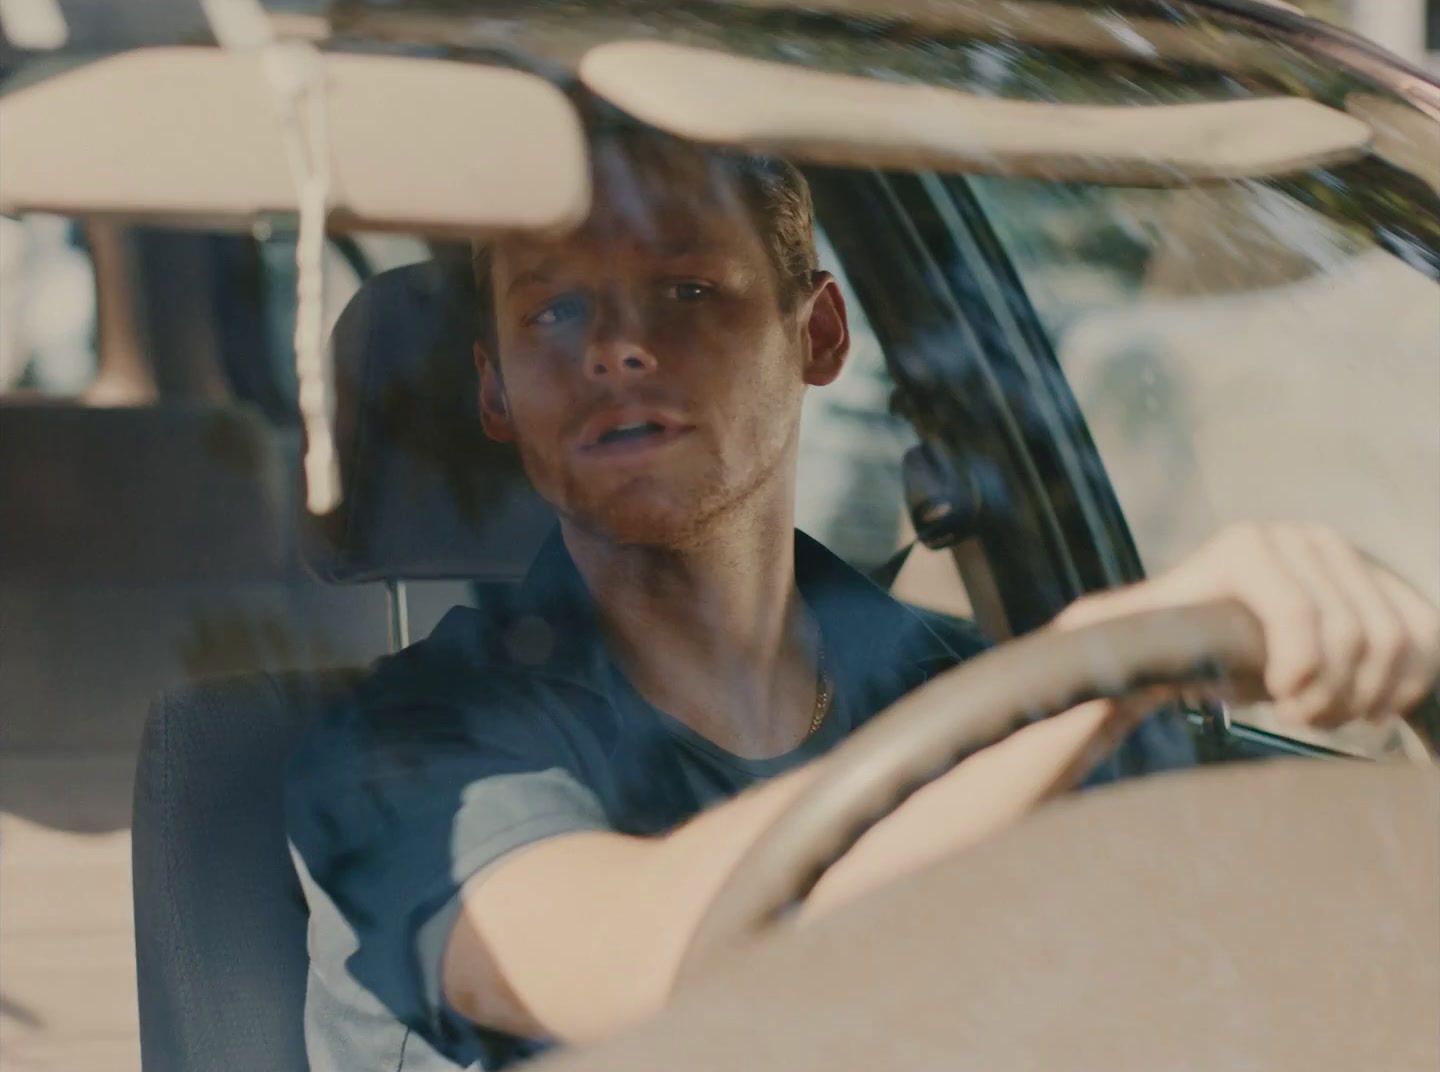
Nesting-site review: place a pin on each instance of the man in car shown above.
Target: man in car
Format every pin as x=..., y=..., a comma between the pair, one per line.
x=509, y=837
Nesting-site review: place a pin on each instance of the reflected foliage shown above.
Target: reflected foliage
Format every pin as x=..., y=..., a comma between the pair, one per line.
x=1073, y=51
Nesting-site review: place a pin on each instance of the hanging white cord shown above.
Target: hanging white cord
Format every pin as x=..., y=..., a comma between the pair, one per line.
x=295, y=71
x=297, y=74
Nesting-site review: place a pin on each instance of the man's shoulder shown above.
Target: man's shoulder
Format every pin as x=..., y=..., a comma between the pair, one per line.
x=473, y=679
x=481, y=653
x=446, y=667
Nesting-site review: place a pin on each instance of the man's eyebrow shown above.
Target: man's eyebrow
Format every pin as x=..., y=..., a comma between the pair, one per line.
x=541, y=273
x=548, y=269
x=688, y=247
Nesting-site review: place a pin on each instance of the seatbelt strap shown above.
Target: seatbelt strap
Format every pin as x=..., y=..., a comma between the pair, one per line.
x=884, y=575
x=986, y=606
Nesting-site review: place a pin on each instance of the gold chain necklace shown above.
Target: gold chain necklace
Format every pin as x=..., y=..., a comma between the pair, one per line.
x=824, y=691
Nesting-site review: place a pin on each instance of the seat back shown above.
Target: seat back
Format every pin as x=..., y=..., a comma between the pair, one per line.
x=219, y=916
x=220, y=920
x=125, y=496
x=147, y=522
x=150, y=544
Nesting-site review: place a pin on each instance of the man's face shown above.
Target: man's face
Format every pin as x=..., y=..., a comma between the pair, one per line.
x=651, y=378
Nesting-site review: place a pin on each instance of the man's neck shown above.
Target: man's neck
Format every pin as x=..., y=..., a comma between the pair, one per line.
x=714, y=634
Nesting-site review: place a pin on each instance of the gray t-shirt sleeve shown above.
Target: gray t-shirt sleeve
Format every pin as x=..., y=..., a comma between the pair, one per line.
x=393, y=810
x=499, y=815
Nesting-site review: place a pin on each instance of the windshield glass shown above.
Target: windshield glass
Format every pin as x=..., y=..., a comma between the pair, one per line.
x=1231, y=348
x=996, y=303
x=1238, y=356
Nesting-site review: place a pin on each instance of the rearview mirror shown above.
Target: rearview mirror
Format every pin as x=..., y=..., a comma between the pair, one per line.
x=193, y=135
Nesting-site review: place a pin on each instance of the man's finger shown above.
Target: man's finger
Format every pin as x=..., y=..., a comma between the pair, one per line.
x=1242, y=564
x=1388, y=640
x=1421, y=664
x=1335, y=630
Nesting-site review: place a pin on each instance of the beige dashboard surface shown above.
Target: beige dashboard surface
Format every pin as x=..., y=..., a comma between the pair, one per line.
x=1278, y=915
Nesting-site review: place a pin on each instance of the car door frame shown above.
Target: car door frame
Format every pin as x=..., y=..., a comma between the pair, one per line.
x=929, y=270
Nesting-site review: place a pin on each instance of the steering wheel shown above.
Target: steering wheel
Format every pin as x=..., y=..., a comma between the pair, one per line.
x=950, y=718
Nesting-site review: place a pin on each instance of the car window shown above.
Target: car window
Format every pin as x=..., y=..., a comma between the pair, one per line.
x=850, y=447
x=48, y=308
x=849, y=493
x=1238, y=355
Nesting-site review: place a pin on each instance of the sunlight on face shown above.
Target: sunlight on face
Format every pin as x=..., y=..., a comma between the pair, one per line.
x=652, y=379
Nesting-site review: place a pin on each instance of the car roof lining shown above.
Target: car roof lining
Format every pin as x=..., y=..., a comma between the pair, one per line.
x=835, y=119
x=194, y=135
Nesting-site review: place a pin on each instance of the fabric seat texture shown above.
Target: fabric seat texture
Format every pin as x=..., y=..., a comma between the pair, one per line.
x=142, y=546
x=219, y=916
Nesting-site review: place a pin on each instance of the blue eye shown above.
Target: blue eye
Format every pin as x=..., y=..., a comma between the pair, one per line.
x=558, y=312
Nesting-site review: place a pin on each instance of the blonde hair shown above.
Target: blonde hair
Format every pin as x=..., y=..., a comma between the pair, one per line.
x=772, y=191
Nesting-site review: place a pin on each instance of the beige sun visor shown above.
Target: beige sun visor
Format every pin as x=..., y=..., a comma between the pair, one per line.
x=838, y=119
x=194, y=135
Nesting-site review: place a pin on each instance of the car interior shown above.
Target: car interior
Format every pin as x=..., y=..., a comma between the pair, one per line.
x=427, y=498
x=208, y=614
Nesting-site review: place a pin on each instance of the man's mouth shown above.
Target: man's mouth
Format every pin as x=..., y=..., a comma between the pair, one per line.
x=618, y=432
x=628, y=433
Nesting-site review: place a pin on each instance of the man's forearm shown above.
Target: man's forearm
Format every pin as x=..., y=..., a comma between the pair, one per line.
x=583, y=933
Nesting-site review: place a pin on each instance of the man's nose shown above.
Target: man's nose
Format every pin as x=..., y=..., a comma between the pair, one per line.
x=617, y=350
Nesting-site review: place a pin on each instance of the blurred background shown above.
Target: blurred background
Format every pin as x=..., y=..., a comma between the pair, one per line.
x=1408, y=28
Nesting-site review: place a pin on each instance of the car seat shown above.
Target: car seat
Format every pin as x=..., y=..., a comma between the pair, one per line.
x=220, y=920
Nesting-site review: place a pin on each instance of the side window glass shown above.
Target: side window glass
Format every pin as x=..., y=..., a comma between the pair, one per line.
x=1239, y=356
x=850, y=495
x=848, y=482
x=48, y=309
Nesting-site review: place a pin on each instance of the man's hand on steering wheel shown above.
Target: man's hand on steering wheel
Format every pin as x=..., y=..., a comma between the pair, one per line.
x=1332, y=636
x=1345, y=638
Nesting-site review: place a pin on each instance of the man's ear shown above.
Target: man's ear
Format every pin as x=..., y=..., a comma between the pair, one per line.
x=827, y=331
x=494, y=407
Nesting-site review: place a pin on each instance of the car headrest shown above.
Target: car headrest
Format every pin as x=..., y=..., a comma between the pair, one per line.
x=426, y=494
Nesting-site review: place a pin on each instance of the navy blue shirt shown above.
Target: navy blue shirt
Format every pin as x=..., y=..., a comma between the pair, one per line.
x=511, y=724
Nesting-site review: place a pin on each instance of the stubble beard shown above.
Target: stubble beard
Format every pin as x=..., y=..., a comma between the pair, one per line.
x=659, y=516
